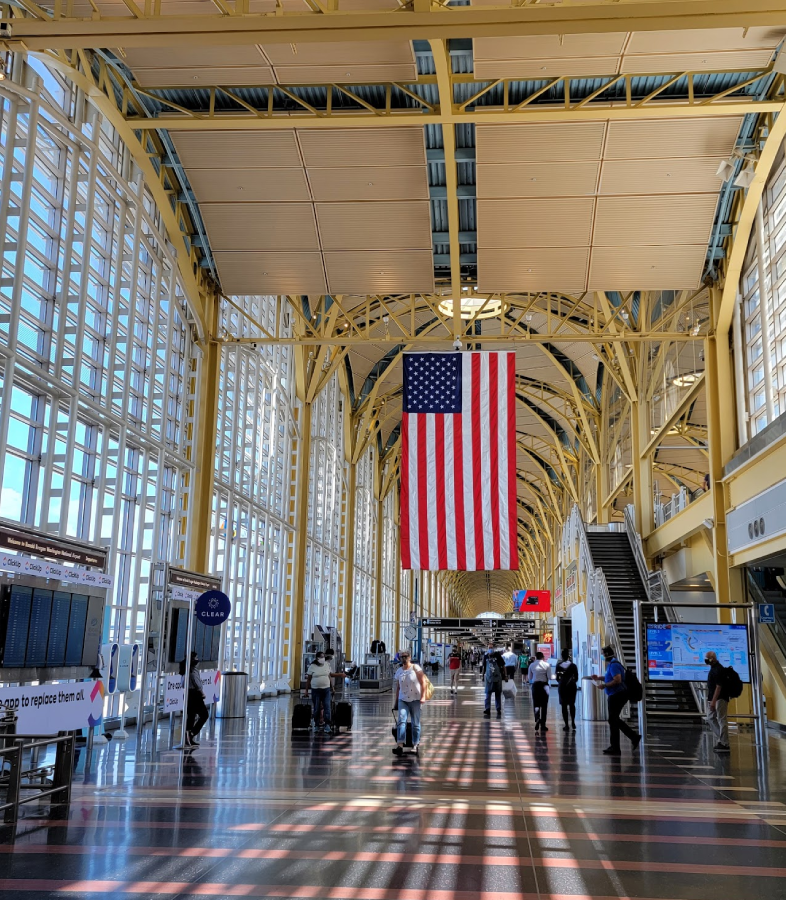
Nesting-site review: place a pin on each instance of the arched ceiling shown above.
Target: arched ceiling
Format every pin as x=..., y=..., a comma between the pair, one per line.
x=565, y=179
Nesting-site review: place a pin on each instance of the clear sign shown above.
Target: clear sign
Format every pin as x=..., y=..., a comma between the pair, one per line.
x=212, y=608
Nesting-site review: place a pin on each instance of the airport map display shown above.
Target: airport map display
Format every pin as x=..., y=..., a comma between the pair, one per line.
x=675, y=651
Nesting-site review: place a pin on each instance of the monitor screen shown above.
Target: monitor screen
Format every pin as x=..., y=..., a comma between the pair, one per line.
x=675, y=651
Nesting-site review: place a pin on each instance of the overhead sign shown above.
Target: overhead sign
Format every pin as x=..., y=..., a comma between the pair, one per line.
x=532, y=601
x=49, y=708
x=482, y=624
x=767, y=613
x=212, y=608
x=22, y=540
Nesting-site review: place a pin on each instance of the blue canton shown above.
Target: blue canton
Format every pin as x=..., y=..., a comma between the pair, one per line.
x=432, y=382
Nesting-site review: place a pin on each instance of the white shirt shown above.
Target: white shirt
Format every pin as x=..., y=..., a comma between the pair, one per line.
x=540, y=670
x=320, y=675
x=408, y=684
x=510, y=658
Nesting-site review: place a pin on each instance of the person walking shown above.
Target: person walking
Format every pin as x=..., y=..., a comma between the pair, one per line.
x=718, y=703
x=539, y=675
x=510, y=658
x=454, y=665
x=617, y=695
x=494, y=673
x=524, y=663
x=318, y=678
x=409, y=687
x=567, y=685
x=196, y=709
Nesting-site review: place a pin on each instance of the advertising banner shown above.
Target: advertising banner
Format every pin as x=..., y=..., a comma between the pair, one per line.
x=49, y=708
x=73, y=574
x=174, y=696
x=532, y=601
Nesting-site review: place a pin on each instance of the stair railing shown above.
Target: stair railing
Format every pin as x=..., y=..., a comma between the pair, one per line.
x=657, y=589
x=778, y=629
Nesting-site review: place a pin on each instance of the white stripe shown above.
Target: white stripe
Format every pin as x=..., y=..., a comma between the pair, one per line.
x=431, y=482
x=414, y=546
x=466, y=434
x=502, y=393
x=485, y=461
x=450, y=492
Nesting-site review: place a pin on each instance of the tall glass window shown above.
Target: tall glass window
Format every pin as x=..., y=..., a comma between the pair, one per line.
x=365, y=537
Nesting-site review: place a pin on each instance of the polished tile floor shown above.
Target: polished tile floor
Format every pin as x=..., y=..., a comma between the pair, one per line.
x=489, y=811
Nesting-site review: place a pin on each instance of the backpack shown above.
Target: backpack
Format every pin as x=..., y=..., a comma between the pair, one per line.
x=633, y=685
x=732, y=683
x=493, y=674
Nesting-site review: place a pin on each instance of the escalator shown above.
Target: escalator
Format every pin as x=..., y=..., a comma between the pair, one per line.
x=611, y=552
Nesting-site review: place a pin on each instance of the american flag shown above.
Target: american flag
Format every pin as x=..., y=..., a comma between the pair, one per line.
x=458, y=465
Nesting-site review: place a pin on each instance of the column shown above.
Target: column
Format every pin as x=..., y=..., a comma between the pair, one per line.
x=297, y=602
x=349, y=555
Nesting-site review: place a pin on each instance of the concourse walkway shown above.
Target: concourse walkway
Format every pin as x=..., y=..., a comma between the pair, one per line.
x=488, y=811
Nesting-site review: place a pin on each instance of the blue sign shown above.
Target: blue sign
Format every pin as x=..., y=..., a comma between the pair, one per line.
x=767, y=613
x=212, y=608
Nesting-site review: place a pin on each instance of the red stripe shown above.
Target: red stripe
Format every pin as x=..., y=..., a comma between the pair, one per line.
x=458, y=490
x=494, y=447
x=404, y=536
x=512, y=485
x=424, y=562
x=476, y=468
x=442, y=532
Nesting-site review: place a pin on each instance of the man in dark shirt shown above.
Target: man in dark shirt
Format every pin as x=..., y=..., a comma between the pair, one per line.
x=717, y=703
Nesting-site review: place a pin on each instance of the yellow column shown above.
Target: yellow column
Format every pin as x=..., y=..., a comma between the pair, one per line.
x=295, y=654
x=642, y=467
x=349, y=554
x=201, y=495
x=377, y=628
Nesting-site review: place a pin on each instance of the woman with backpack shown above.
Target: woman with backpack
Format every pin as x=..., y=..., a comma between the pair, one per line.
x=568, y=684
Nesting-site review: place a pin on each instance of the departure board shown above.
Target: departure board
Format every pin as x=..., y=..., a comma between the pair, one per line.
x=75, y=636
x=58, y=628
x=94, y=628
x=215, y=644
x=17, y=621
x=178, y=634
x=38, y=634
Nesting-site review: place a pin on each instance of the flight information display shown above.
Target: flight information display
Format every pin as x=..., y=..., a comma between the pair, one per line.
x=675, y=651
x=40, y=627
x=206, y=640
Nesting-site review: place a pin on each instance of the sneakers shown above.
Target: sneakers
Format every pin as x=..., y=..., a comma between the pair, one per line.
x=398, y=750
x=328, y=729
x=499, y=714
x=612, y=751
x=416, y=749
x=487, y=713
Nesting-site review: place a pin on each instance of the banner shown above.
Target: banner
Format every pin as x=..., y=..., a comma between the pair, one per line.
x=24, y=565
x=49, y=708
x=532, y=601
x=174, y=699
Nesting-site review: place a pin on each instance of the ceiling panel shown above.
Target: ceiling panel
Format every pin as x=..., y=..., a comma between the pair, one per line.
x=365, y=271
x=675, y=267
x=332, y=53
x=228, y=76
x=655, y=138
x=375, y=225
x=237, y=149
x=344, y=73
x=261, y=226
x=535, y=223
x=344, y=147
x=539, y=269
x=534, y=67
x=369, y=183
x=704, y=39
x=248, y=185
x=626, y=221
x=549, y=143
x=660, y=176
x=551, y=46
x=747, y=60
x=270, y=272
x=557, y=179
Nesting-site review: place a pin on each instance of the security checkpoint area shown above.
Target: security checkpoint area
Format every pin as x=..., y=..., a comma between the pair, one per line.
x=392, y=449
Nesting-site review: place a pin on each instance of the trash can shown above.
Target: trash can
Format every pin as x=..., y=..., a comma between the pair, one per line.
x=593, y=702
x=234, y=689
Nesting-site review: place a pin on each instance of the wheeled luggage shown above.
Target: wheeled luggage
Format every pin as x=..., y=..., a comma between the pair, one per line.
x=342, y=715
x=301, y=717
x=408, y=739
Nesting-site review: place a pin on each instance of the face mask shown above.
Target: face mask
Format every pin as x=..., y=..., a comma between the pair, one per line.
x=320, y=660
x=707, y=662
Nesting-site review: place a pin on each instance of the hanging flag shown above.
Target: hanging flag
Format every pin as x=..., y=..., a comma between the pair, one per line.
x=458, y=462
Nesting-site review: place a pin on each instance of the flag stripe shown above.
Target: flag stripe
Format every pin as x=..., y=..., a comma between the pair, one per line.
x=494, y=446
x=458, y=482
x=470, y=543
x=423, y=494
x=485, y=458
x=512, y=481
x=406, y=557
x=414, y=494
x=431, y=475
x=475, y=471
x=451, y=494
x=441, y=529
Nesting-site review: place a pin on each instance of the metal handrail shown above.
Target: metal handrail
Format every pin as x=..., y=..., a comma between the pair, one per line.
x=778, y=629
x=62, y=774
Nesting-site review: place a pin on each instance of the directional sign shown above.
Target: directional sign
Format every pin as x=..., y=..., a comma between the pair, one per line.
x=767, y=613
x=487, y=624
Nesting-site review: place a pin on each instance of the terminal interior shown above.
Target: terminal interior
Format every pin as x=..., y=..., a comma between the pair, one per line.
x=225, y=223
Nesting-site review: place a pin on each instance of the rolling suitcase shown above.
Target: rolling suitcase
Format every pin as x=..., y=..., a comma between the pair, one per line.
x=408, y=737
x=301, y=717
x=342, y=715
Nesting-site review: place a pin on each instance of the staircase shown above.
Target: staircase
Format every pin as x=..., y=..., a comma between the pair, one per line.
x=611, y=552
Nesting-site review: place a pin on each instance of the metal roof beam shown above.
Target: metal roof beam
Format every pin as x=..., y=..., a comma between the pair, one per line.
x=433, y=23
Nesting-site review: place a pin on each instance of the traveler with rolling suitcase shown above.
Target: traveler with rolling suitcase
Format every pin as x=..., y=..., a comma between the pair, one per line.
x=409, y=689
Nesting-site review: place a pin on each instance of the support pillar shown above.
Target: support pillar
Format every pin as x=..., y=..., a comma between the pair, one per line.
x=349, y=553
x=200, y=497
x=301, y=536
x=380, y=532
x=642, y=466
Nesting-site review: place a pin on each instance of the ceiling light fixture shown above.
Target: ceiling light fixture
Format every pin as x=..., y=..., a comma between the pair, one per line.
x=745, y=178
x=473, y=307
x=686, y=379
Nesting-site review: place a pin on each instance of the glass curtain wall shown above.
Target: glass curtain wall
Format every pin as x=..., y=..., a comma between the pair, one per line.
x=365, y=537
x=327, y=485
x=97, y=368
x=389, y=627
x=251, y=534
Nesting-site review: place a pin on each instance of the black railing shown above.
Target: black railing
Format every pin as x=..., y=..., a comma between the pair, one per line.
x=17, y=780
